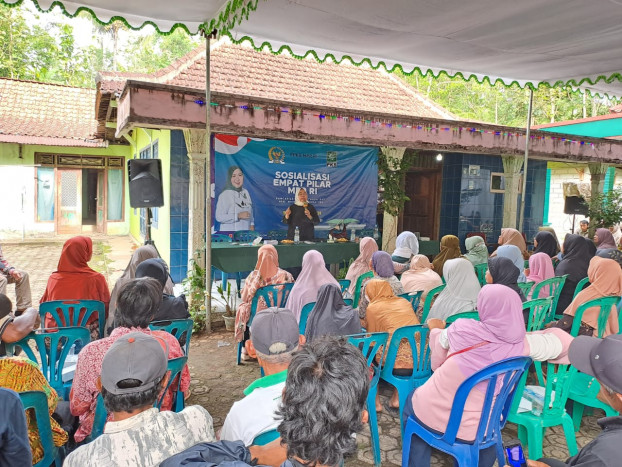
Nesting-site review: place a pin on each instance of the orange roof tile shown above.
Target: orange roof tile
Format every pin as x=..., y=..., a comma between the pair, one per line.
x=49, y=114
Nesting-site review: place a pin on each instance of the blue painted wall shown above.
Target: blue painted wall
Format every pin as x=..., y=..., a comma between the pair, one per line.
x=180, y=176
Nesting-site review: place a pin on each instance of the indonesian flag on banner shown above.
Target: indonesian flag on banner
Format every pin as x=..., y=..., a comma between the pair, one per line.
x=231, y=144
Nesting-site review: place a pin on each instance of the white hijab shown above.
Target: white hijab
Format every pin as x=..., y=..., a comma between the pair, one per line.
x=297, y=201
x=406, y=245
x=460, y=293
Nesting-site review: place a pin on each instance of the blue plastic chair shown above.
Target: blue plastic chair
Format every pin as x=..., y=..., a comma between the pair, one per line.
x=68, y=313
x=275, y=296
x=494, y=415
x=277, y=235
x=245, y=236
x=414, y=299
x=345, y=284
x=373, y=346
x=175, y=366
x=53, y=353
x=304, y=316
x=181, y=329
x=224, y=276
x=266, y=437
x=99, y=422
x=37, y=400
x=417, y=338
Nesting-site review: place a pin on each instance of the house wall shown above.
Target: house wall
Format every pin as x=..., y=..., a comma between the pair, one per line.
x=18, y=182
x=468, y=205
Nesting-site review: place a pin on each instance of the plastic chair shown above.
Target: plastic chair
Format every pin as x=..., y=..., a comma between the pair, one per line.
x=99, y=422
x=538, y=310
x=583, y=283
x=68, y=313
x=245, y=236
x=464, y=315
x=275, y=296
x=224, y=276
x=277, y=235
x=175, y=366
x=417, y=338
x=179, y=328
x=345, y=284
x=555, y=284
x=53, y=353
x=414, y=299
x=584, y=388
x=429, y=299
x=480, y=271
x=531, y=428
x=304, y=316
x=526, y=287
x=494, y=415
x=37, y=400
x=372, y=345
x=266, y=437
x=359, y=286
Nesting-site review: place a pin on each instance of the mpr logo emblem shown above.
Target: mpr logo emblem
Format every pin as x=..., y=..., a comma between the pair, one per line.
x=276, y=155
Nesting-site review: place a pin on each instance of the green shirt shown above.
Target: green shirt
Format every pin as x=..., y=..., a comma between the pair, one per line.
x=266, y=381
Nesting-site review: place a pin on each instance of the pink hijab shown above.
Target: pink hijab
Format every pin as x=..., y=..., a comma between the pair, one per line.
x=313, y=276
x=420, y=276
x=540, y=269
x=360, y=266
x=501, y=327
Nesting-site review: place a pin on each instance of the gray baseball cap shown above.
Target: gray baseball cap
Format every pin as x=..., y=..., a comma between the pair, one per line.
x=134, y=356
x=601, y=358
x=275, y=331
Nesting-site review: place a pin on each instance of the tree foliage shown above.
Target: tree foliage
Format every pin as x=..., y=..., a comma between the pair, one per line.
x=605, y=209
x=149, y=53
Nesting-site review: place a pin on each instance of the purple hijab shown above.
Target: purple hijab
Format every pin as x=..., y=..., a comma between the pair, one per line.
x=383, y=264
x=605, y=239
x=501, y=325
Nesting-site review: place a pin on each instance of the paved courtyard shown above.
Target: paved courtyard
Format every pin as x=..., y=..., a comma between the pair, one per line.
x=217, y=381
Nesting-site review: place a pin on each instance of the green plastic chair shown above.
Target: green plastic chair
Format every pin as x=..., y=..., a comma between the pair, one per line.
x=37, y=400
x=429, y=299
x=531, y=428
x=538, y=310
x=525, y=287
x=480, y=270
x=414, y=299
x=584, y=388
x=344, y=284
x=175, y=366
x=555, y=284
x=53, y=346
x=464, y=315
x=359, y=285
x=66, y=313
x=181, y=329
x=583, y=283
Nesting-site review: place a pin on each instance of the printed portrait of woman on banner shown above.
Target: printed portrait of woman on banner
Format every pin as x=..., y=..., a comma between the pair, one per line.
x=234, y=208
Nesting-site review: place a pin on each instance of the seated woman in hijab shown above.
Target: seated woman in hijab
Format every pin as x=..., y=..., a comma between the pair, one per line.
x=511, y=236
x=362, y=264
x=331, y=316
x=513, y=253
x=605, y=278
x=477, y=252
x=463, y=349
x=267, y=272
x=460, y=293
x=545, y=242
x=140, y=254
x=312, y=276
x=75, y=280
x=420, y=276
x=171, y=307
x=617, y=234
x=406, y=246
x=382, y=265
x=450, y=249
x=386, y=313
x=540, y=269
x=577, y=253
x=603, y=239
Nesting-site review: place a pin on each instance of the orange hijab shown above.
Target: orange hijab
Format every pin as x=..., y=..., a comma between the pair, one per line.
x=386, y=312
x=511, y=236
x=450, y=249
x=605, y=280
x=267, y=262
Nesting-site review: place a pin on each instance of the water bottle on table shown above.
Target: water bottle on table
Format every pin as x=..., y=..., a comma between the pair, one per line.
x=297, y=235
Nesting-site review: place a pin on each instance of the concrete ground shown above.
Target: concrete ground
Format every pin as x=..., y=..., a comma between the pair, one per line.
x=217, y=381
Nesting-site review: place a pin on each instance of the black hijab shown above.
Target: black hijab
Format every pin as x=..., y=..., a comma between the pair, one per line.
x=504, y=272
x=331, y=316
x=578, y=252
x=172, y=307
x=547, y=243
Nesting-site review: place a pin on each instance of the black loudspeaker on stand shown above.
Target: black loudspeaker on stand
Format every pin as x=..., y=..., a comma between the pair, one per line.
x=145, y=183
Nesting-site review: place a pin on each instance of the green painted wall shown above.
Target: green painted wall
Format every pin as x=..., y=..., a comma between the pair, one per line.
x=9, y=152
x=596, y=129
x=161, y=235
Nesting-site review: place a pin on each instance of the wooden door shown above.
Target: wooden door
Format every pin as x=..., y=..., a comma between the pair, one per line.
x=421, y=213
x=100, y=218
x=69, y=201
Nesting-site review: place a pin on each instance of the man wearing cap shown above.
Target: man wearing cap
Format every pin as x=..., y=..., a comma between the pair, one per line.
x=601, y=358
x=134, y=372
x=274, y=337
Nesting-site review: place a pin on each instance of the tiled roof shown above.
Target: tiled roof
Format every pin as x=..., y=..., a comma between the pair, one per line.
x=240, y=70
x=49, y=114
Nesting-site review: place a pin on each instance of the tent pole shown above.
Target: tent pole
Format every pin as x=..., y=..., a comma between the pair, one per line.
x=527, y=139
x=208, y=191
